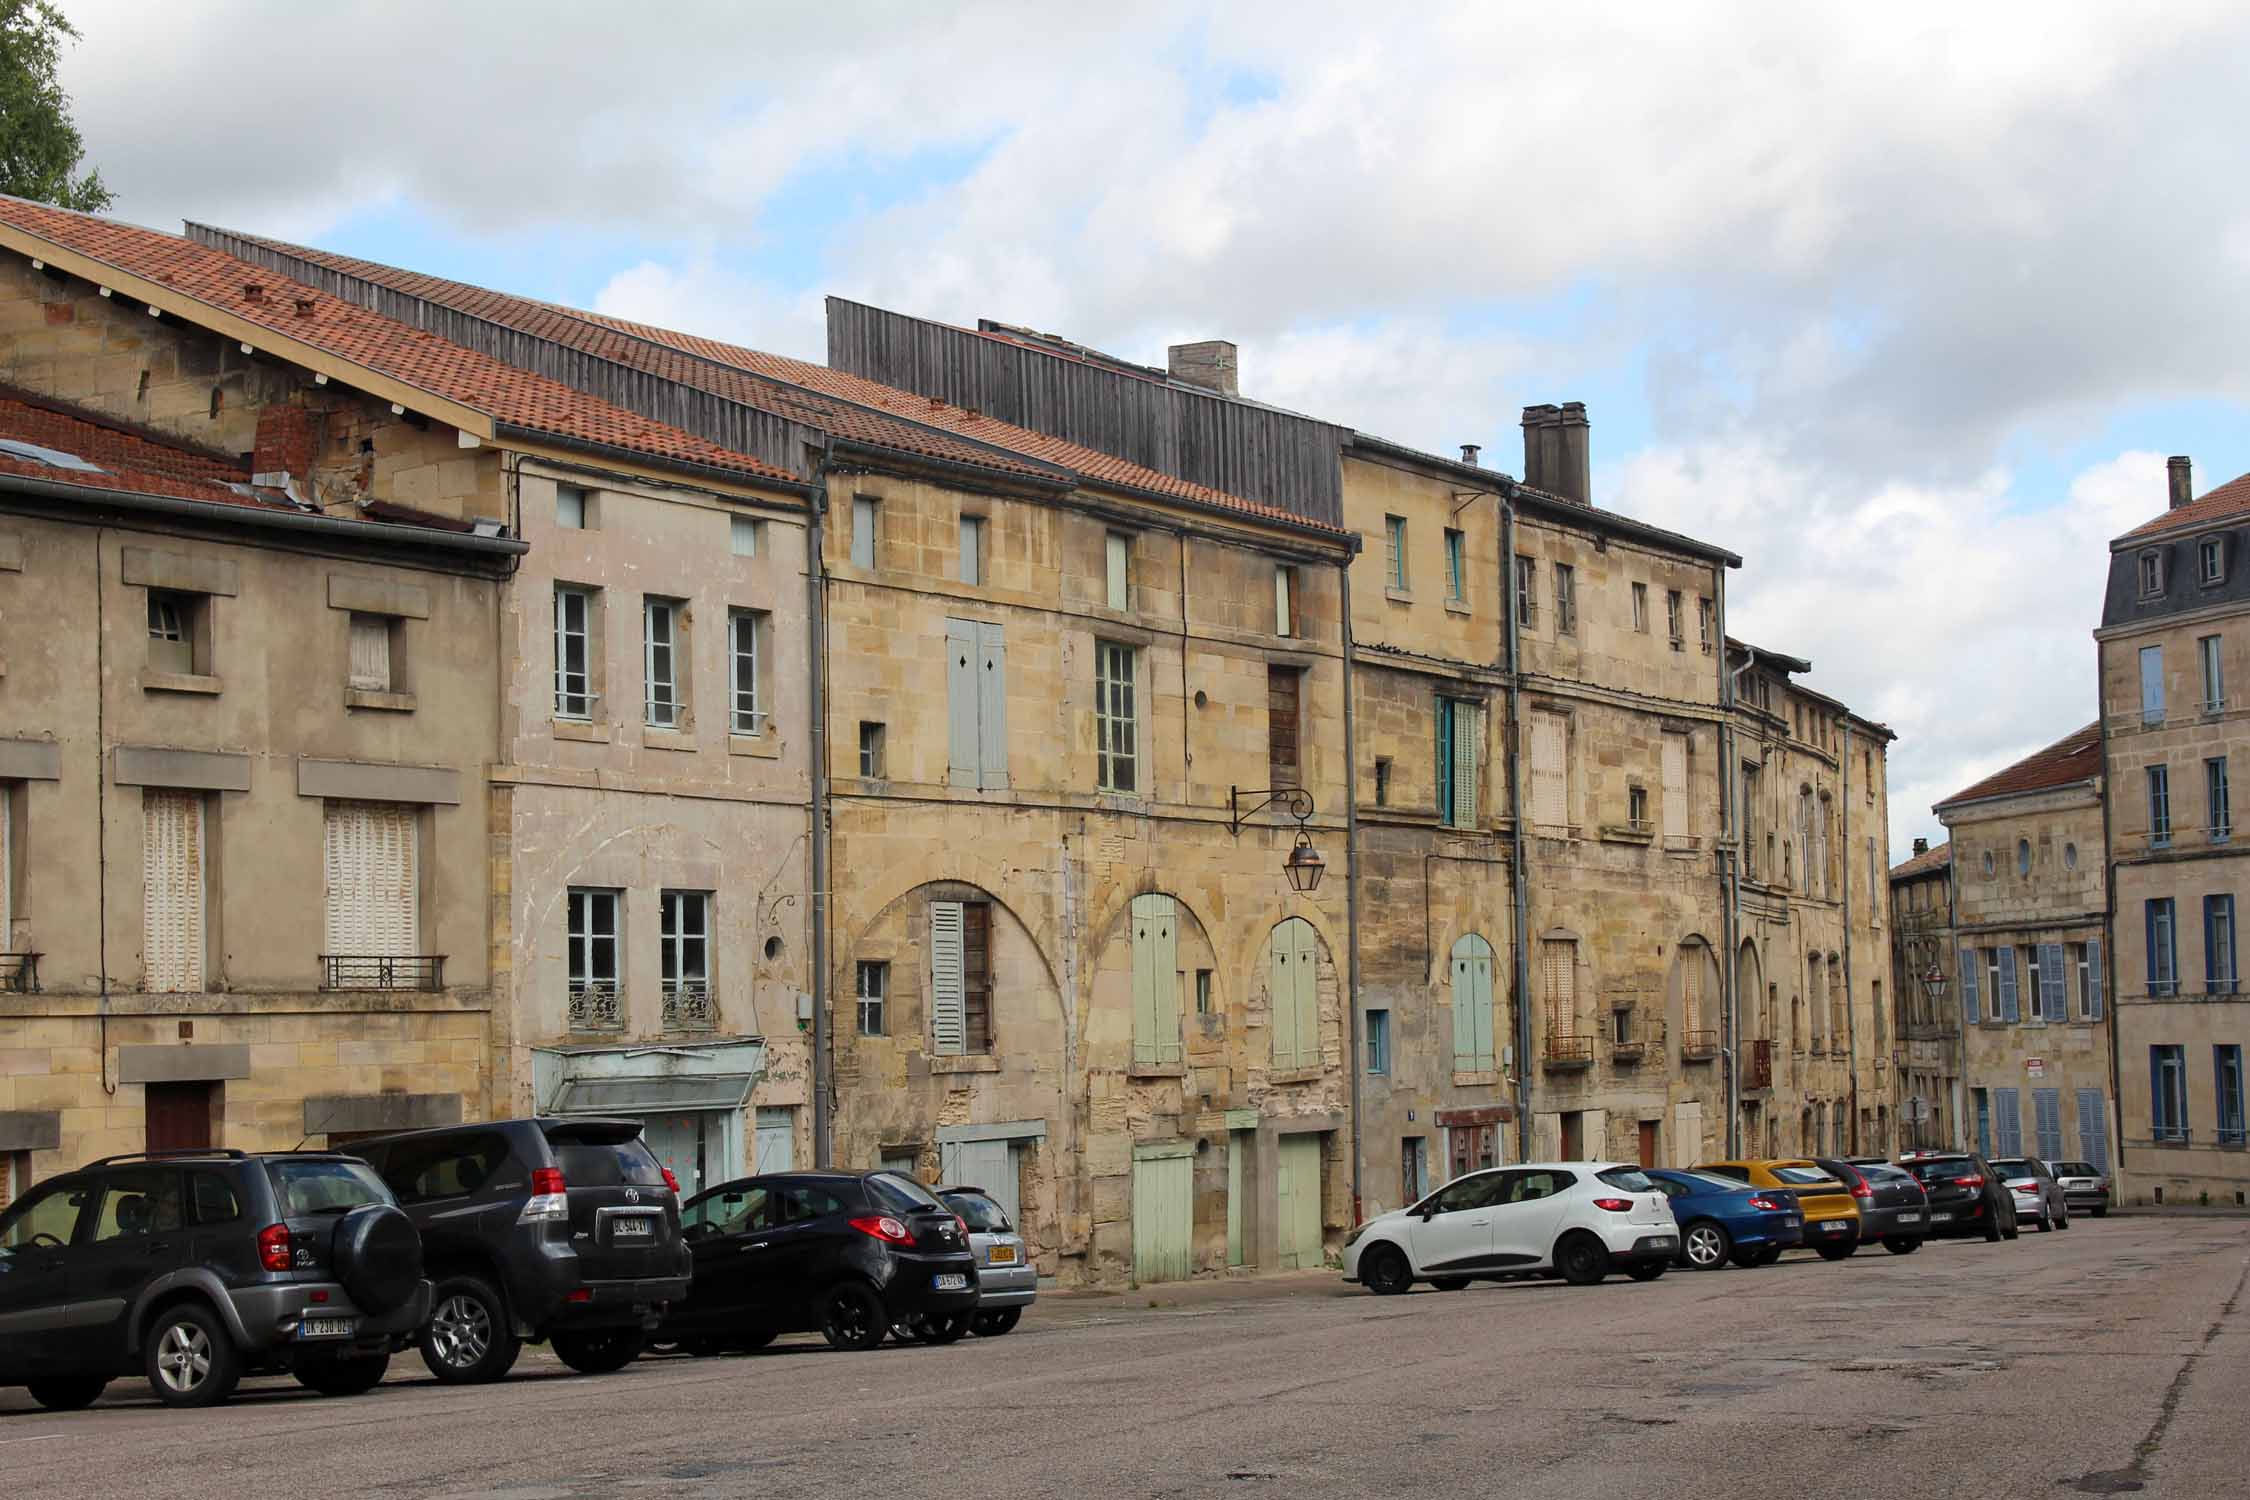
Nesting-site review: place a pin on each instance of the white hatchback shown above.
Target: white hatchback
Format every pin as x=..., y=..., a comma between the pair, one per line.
x=1577, y=1219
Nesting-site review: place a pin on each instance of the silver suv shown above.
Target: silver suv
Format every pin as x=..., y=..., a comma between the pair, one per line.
x=1007, y=1281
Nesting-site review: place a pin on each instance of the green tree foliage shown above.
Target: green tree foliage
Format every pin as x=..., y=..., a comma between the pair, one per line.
x=39, y=147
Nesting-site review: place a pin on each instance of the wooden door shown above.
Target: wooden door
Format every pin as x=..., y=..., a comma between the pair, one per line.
x=1300, y=1195
x=177, y=1116
x=1163, y=1213
x=1573, y=1136
x=1648, y=1143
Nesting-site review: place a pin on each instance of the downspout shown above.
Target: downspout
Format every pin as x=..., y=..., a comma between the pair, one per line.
x=1730, y=869
x=1352, y=1021
x=1518, y=877
x=816, y=648
x=1851, y=1019
x=2109, y=952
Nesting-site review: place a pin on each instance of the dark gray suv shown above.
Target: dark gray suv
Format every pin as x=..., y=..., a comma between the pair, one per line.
x=196, y=1268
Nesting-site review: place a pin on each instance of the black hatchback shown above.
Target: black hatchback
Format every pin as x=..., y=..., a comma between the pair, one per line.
x=1966, y=1195
x=1894, y=1207
x=846, y=1254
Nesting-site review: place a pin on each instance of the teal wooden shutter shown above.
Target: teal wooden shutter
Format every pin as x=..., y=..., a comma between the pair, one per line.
x=992, y=707
x=947, y=1029
x=1156, y=980
x=961, y=656
x=1966, y=963
x=2094, y=978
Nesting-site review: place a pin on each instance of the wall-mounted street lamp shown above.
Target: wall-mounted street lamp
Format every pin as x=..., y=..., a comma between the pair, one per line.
x=1933, y=983
x=1304, y=866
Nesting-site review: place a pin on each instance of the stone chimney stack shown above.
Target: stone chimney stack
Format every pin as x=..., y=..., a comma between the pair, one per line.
x=1210, y=364
x=2181, y=473
x=1557, y=451
x=1469, y=452
x=1921, y=846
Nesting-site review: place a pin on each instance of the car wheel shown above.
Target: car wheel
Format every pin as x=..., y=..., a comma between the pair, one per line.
x=990, y=1325
x=1993, y=1233
x=1383, y=1270
x=191, y=1357
x=468, y=1339
x=343, y=1377
x=1748, y=1260
x=1450, y=1283
x=597, y=1351
x=1648, y=1270
x=1902, y=1245
x=68, y=1393
x=943, y=1328
x=1706, y=1245
x=1837, y=1252
x=2062, y=1220
x=1581, y=1259
x=852, y=1317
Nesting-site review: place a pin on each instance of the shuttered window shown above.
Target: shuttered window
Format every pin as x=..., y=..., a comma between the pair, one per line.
x=1284, y=600
x=976, y=666
x=1558, y=974
x=1293, y=982
x=2054, y=990
x=1693, y=956
x=1156, y=980
x=172, y=896
x=1675, y=786
x=2046, y=1123
x=2004, y=1005
x=372, y=895
x=1472, y=1006
x=863, y=532
x=1460, y=735
x=2093, y=1129
x=371, y=653
x=1966, y=966
x=2090, y=982
x=1550, y=786
x=2007, y=1123
x=960, y=977
x=1117, y=556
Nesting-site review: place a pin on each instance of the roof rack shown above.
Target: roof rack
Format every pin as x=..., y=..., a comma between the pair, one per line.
x=206, y=1151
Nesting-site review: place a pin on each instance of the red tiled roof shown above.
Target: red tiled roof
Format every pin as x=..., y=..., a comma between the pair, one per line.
x=2228, y=500
x=125, y=460
x=410, y=356
x=1924, y=863
x=2077, y=757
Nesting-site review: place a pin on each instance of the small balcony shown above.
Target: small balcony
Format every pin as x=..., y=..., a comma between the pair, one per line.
x=382, y=971
x=1699, y=1044
x=1757, y=1070
x=19, y=973
x=1632, y=1043
x=689, y=1007
x=596, y=1005
x=1565, y=1053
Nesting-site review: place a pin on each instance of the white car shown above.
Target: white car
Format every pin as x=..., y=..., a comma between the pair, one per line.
x=1577, y=1219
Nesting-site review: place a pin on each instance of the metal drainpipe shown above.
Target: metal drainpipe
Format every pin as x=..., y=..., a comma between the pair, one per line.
x=1851, y=1018
x=1730, y=866
x=1518, y=877
x=816, y=647
x=1352, y=1020
x=2109, y=950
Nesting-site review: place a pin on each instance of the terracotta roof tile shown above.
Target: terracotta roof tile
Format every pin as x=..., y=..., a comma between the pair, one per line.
x=122, y=459
x=2077, y=757
x=410, y=356
x=1922, y=864
x=2227, y=501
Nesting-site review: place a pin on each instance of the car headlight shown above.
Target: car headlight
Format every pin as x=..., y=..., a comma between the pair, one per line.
x=1354, y=1237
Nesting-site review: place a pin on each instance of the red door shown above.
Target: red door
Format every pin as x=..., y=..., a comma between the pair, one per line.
x=179, y=1116
x=1648, y=1143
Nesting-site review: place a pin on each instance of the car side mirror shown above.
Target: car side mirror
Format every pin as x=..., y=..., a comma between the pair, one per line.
x=1429, y=1212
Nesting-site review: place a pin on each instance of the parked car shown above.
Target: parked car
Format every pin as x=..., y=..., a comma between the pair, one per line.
x=1831, y=1213
x=1894, y=1209
x=1966, y=1194
x=2039, y=1197
x=2084, y=1186
x=1007, y=1281
x=844, y=1254
x=199, y=1267
x=1721, y=1220
x=561, y=1229
x=1579, y=1220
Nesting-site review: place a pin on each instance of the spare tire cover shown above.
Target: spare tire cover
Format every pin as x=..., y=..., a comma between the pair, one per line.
x=377, y=1255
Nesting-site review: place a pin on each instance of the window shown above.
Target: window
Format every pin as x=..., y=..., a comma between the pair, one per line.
x=874, y=989
x=1394, y=536
x=1640, y=608
x=2219, y=974
x=2001, y=971
x=1988, y=866
x=174, y=623
x=172, y=896
x=1382, y=781
x=1472, y=1005
x=1282, y=684
x=1983, y=1099
x=663, y=699
x=1203, y=992
x=1116, y=720
x=138, y=1201
x=1550, y=772
x=2023, y=857
x=2217, y=801
x=743, y=535
x=1676, y=786
x=2054, y=987
x=684, y=959
x=2152, y=684
x=1284, y=600
x=2163, y=950
x=2212, y=555
x=1460, y=739
x=2227, y=1096
x=976, y=666
x=1675, y=623
x=2159, y=806
x=1378, y=1041
x=1703, y=623
x=591, y=927
x=864, y=508
x=1118, y=553
x=1527, y=593
x=1558, y=984
x=1293, y=995
x=871, y=749
x=574, y=682
x=2086, y=960
x=746, y=629
x=2168, y=1116
x=1621, y=1024
x=571, y=510
x=1636, y=806
x=1155, y=932
x=2214, y=674
x=972, y=549
x=373, y=892
x=2093, y=1129
x=960, y=977
x=1456, y=567
x=1566, y=599
x=370, y=668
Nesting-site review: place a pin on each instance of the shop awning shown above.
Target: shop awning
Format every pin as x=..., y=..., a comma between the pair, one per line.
x=652, y=1096
x=666, y=1078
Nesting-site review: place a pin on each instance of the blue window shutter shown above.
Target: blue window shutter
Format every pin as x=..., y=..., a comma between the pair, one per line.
x=2149, y=954
x=2094, y=974
x=2210, y=945
x=2005, y=1007
x=1966, y=963
x=2007, y=1122
x=2156, y=1100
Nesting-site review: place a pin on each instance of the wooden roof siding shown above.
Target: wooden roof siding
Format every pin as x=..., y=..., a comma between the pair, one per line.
x=2228, y=501
x=414, y=357
x=2074, y=758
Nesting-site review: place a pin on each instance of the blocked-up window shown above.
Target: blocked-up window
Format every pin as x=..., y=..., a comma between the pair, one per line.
x=1117, y=556
x=1676, y=786
x=373, y=895
x=1550, y=770
x=1472, y=1005
x=172, y=894
x=976, y=666
x=1566, y=599
x=960, y=977
x=864, y=512
x=1284, y=600
x=972, y=549
x=1154, y=927
x=371, y=652
x=1283, y=686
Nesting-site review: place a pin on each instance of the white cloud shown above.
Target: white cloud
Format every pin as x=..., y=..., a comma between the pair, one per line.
x=705, y=298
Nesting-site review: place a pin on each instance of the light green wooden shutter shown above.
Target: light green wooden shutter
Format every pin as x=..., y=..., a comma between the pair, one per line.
x=1156, y=980
x=1480, y=970
x=1464, y=1011
x=992, y=707
x=1468, y=729
x=1295, y=967
x=961, y=656
x=946, y=1024
x=1282, y=990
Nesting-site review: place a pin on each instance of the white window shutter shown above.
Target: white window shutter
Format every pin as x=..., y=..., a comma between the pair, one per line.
x=1550, y=788
x=371, y=653
x=961, y=659
x=992, y=707
x=372, y=895
x=172, y=891
x=946, y=989
x=1468, y=725
x=1675, y=786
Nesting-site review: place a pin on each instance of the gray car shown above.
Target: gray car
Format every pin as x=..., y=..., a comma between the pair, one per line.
x=2085, y=1187
x=1007, y=1281
x=2038, y=1196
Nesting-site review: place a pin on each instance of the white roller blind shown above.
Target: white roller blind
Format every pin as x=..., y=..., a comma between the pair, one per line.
x=172, y=891
x=1691, y=987
x=1550, y=791
x=946, y=988
x=1675, y=786
x=373, y=896
x=1468, y=737
x=371, y=653
x=1558, y=960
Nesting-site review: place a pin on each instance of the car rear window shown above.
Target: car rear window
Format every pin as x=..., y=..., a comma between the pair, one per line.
x=1707, y=1181
x=1627, y=1180
x=324, y=1187
x=1884, y=1174
x=902, y=1194
x=1802, y=1176
x=1935, y=1168
x=2076, y=1169
x=608, y=1164
x=980, y=1213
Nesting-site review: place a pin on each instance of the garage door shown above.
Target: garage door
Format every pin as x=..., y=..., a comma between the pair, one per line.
x=1163, y=1212
x=1300, y=1202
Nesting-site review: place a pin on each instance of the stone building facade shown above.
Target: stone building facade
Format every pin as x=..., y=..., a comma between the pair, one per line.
x=2029, y=931
x=1926, y=1031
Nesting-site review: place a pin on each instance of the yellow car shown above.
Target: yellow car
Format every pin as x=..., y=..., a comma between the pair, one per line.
x=1831, y=1213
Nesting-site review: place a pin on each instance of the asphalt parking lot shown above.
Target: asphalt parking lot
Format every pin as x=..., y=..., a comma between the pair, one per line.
x=2106, y=1360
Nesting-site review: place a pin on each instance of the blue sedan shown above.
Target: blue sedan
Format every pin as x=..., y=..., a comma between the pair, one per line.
x=1722, y=1220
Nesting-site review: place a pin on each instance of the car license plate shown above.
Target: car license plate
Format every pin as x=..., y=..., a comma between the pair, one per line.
x=1789, y=1221
x=324, y=1328
x=1834, y=1226
x=1939, y=1218
x=637, y=1228
x=951, y=1281
x=1660, y=1242
x=1003, y=1255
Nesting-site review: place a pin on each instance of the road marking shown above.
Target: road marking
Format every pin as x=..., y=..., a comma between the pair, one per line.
x=44, y=1437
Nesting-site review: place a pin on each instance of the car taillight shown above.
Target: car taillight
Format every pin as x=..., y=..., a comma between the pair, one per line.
x=1971, y=1181
x=669, y=1180
x=1765, y=1203
x=548, y=1203
x=884, y=1227
x=1615, y=1205
x=1862, y=1190
x=273, y=1247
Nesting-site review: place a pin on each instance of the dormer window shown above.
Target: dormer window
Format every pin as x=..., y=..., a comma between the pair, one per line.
x=2152, y=574
x=2213, y=556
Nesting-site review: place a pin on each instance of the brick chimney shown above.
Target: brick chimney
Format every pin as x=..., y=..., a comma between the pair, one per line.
x=1921, y=846
x=1557, y=451
x=284, y=441
x=1210, y=364
x=2181, y=473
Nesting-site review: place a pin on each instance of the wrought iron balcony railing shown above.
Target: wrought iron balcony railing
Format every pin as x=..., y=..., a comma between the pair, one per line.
x=382, y=971
x=1567, y=1051
x=1757, y=1072
x=689, y=1007
x=596, y=1005
x=1699, y=1044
